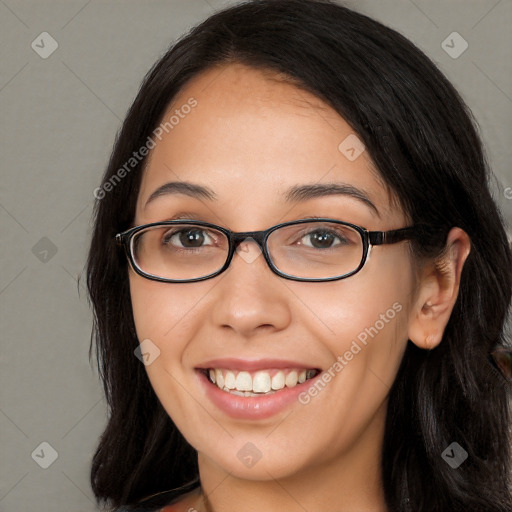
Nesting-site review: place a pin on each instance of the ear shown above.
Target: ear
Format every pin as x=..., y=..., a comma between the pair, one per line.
x=437, y=291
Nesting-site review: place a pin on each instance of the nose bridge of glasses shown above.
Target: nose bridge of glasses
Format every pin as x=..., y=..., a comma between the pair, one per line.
x=256, y=236
x=236, y=238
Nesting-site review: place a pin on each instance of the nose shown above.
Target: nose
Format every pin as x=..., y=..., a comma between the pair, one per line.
x=249, y=297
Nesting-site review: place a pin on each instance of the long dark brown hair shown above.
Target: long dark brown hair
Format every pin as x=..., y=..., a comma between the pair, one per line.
x=423, y=141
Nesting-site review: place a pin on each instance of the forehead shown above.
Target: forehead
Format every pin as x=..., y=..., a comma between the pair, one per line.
x=250, y=136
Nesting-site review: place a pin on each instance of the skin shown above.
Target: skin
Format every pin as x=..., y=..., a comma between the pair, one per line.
x=250, y=137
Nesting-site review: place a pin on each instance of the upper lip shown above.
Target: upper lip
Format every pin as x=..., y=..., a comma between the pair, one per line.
x=253, y=364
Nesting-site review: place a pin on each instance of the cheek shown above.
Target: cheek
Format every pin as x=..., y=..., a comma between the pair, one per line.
x=164, y=314
x=170, y=316
x=365, y=318
x=353, y=307
x=160, y=314
x=362, y=322
x=162, y=309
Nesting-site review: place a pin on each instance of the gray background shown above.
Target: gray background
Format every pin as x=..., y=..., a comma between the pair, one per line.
x=59, y=117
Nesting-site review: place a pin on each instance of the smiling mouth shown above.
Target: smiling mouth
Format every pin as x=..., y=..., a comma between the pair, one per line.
x=258, y=383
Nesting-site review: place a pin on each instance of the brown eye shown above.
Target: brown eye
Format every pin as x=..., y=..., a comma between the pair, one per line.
x=323, y=239
x=186, y=238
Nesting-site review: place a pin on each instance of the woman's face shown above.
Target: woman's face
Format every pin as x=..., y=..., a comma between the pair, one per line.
x=248, y=140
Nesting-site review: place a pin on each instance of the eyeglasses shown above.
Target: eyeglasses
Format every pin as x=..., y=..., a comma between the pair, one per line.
x=319, y=249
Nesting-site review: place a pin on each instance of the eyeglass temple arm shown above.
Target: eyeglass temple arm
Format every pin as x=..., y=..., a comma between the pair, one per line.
x=391, y=237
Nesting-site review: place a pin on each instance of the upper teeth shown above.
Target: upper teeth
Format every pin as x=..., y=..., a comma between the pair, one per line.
x=263, y=381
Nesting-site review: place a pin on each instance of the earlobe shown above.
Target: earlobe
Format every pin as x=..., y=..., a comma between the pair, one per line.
x=438, y=291
x=431, y=341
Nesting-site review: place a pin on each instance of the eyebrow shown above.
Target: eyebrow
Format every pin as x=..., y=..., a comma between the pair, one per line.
x=182, y=187
x=293, y=194
x=304, y=192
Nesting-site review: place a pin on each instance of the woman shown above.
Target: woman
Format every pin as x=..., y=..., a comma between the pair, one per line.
x=298, y=276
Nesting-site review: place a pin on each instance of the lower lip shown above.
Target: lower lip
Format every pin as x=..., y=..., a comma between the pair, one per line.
x=252, y=407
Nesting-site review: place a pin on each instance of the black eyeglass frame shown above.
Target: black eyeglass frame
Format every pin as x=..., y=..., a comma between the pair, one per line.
x=369, y=238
